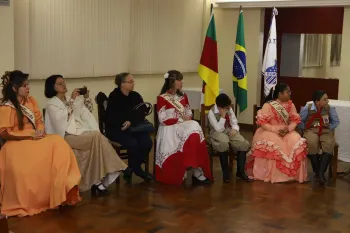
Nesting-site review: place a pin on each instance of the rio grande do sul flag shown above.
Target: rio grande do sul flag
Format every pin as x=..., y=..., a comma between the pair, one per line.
x=269, y=67
x=208, y=67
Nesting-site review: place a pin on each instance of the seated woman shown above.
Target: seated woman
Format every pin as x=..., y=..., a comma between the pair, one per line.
x=180, y=141
x=121, y=118
x=37, y=171
x=278, y=152
x=70, y=117
x=319, y=120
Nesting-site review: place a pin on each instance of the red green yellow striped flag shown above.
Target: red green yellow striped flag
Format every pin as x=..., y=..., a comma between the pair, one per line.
x=208, y=67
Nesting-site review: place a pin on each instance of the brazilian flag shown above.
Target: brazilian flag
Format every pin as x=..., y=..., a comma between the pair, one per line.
x=239, y=70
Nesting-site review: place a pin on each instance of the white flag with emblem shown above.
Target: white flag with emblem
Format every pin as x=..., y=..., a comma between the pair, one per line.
x=269, y=67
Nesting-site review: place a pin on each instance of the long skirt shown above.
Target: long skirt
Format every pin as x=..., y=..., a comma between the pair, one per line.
x=97, y=159
x=37, y=176
x=278, y=159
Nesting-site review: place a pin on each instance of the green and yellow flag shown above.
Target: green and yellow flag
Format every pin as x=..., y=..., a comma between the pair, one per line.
x=239, y=69
x=208, y=67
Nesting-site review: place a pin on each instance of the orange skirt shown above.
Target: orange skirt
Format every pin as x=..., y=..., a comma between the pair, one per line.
x=37, y=175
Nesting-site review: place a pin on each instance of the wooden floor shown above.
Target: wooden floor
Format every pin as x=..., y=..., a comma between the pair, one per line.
x=220, y=208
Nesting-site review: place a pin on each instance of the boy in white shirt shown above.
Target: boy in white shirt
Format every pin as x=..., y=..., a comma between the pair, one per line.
x=224, y=133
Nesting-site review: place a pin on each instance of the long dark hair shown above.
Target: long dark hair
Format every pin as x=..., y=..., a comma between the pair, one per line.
x=172, y=76
x=10, y=81
x=279, y=88
x=50, y=85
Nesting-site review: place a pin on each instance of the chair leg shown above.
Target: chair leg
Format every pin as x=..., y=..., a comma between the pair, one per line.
x=3, y=224
x=330, y=169
x=154, y=156
x=147, y=164
x=117, y=181
x=231, y=162
x=188, y=179
x=335, y=163
x=211, y=164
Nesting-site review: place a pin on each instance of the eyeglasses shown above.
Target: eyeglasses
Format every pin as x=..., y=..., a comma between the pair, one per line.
x=61, y=84
x=132, y=81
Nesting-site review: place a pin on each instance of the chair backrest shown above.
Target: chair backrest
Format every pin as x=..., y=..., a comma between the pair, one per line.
x=2, y=142
x=155, y=118
x=256, y=108
x=204, y=118
x=101, y=101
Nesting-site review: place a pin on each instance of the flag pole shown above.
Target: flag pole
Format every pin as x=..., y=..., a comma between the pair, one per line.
x=236, y=104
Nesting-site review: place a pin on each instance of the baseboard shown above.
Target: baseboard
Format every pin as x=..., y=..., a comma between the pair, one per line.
x=246, y=127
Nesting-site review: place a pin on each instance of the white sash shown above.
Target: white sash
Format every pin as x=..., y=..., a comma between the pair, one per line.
x=281, y=110
x=26, y=112
x=176, y=103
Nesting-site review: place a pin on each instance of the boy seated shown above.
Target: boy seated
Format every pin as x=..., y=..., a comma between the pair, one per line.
x=224, y=133
x=318, y=121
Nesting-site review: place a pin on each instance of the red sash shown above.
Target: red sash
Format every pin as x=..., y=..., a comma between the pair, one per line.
x=316, y=116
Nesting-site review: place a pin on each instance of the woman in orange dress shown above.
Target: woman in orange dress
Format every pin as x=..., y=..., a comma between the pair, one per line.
x=278, y=153
x=37, y=171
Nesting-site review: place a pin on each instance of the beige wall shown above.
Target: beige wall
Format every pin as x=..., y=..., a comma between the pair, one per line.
x=6, y=38
x=149, y=85
x=226, y=23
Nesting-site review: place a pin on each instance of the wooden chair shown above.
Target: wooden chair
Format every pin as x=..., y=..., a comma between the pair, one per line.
x=333, y=164
x=255, y=113
x=2, y=142
x=205, y=128
x=101, y=101
x=156, y=126
x=3, y=224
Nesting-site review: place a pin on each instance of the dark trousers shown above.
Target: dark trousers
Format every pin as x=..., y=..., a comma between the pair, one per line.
x=139, y=145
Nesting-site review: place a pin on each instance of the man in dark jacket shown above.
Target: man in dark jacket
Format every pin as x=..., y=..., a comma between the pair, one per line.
x=120, y=115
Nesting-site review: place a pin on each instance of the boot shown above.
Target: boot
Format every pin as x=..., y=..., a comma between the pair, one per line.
x=224, y=166
x=324, y=162
x=241, y=158
x=314, y=159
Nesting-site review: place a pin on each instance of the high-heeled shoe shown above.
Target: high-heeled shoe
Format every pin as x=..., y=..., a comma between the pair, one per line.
x=96, y=191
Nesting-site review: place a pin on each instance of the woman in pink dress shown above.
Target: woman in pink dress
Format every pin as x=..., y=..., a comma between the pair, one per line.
x=278, y=152
x=181, y=149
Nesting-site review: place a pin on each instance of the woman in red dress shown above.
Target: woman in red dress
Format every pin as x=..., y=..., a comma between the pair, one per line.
x=181, y=148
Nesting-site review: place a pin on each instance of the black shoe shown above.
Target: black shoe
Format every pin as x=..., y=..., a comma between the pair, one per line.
x=127, y=175
x=224, y=166
x=96, y=191
x=315, y=163
x=241, y=159
x=196, y=181
x=148, y=177
x=324, y=162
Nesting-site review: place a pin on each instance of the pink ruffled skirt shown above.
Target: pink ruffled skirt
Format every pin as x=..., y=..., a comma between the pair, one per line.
x=278, y=159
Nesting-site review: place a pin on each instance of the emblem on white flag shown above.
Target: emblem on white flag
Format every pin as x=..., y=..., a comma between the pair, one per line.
x=269, y=67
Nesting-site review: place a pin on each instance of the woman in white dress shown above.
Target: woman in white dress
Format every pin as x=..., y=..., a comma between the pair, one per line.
x=71, y=118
